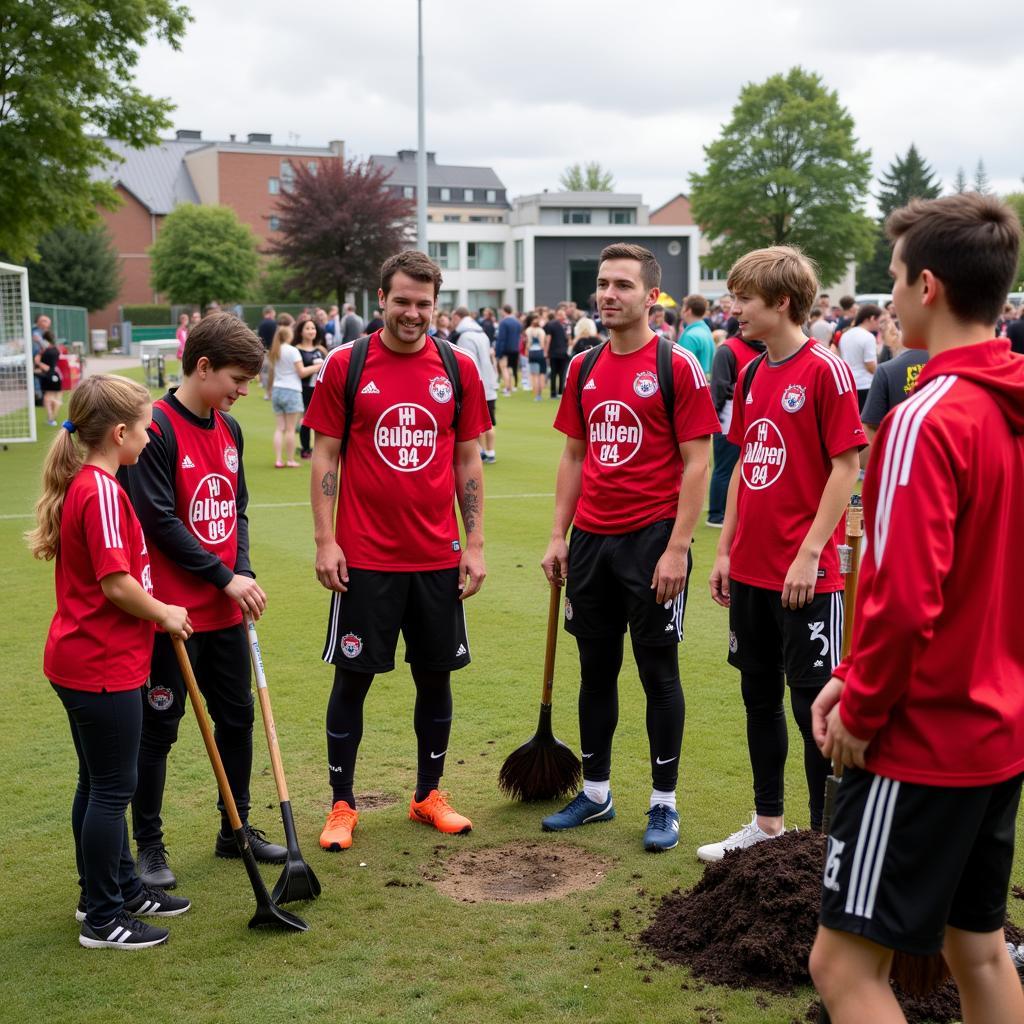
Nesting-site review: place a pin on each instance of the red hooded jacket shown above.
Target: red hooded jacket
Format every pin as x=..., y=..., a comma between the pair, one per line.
x=935, y=677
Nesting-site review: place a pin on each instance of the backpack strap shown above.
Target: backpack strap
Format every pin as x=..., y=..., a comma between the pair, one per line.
x=451, y=368
x=586, y=369
x=667, y=381
x=749, y=377
x=356, y=362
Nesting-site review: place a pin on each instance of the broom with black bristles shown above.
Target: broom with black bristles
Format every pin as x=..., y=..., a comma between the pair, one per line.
x=543, y=768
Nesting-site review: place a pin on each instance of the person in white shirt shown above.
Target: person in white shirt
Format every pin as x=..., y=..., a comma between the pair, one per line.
x=857, y=345
x=468, y=334
x=286, y=373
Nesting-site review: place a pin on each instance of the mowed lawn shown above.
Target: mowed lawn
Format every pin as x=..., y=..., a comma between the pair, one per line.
x=383, y=944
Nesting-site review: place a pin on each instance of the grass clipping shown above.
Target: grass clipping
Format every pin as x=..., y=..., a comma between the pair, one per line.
x=751, y=920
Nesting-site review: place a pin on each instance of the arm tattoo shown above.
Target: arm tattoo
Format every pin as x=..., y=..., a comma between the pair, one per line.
x=329, y=484
x=470, y=505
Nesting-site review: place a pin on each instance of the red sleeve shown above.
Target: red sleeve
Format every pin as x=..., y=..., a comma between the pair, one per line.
x=912, y=497
x=326, y=412
x=838, y=414
x=568, y=420
x=695, y=414
x=105, y=515
x=737, y=428
x=474, y=418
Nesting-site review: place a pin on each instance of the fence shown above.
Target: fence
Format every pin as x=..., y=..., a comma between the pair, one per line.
x=70, y=323
x=17, y=404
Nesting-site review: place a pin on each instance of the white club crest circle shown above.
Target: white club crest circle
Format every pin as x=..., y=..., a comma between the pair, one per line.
x=793, y=398
x=764, y=454
x=212, y=513
x=645, y=384
x=615, y=433
x=231, y=458
x=440, y=389
x=406, y=436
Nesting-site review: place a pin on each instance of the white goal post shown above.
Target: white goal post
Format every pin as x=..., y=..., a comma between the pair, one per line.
x=17, y=380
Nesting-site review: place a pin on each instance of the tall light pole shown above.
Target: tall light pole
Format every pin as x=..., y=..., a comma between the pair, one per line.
x=421, y=153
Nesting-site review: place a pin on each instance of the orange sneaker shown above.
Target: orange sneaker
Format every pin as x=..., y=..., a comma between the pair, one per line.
x=337, y=833
x=435, y=810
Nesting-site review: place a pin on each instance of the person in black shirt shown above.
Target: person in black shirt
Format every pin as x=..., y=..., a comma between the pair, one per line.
x=892, y=383
x=1015, y=332
x=311, y=342
x=265, y=330
x=558, y=351
x=50, y=380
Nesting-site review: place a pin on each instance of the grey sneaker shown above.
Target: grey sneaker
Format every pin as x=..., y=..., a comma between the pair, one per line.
x=152, y=868
x=1017, y=956
x=746, y=837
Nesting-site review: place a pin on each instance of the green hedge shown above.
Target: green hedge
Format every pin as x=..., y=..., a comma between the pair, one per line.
x=152, y=315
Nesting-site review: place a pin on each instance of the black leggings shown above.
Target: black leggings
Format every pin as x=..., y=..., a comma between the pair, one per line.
x=105, y=728
x=304, y=439
x=558, y=367
x=432, y=721
x=768, y=743
x=600, y=661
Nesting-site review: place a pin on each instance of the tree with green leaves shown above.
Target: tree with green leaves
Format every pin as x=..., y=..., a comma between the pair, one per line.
x=202, y=254
x=981, y=183
x=908, y=177
x=76, y=268
x=591, y=177
x=65, y=81
x=1016, y=201
x=786, y=170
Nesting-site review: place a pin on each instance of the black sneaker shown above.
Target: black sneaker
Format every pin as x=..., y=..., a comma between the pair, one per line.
x=124, y=932
x=152, y=868
x=154, y=902
x=262, y=849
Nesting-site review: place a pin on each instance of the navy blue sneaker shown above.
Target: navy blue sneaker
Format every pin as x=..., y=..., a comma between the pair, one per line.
x=581, y=810
x=662, y=831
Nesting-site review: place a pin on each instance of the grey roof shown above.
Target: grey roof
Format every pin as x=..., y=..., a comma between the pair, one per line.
x=156, y=175
x=403, y=172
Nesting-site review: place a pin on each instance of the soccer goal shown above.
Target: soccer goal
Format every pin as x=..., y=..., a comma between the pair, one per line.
x=17, y=383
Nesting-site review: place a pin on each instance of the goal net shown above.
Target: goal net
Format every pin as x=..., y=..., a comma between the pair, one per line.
x=17, y=383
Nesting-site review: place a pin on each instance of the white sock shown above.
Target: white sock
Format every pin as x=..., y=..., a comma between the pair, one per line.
x=597, y=791
x=490, y=453
x=666, y=797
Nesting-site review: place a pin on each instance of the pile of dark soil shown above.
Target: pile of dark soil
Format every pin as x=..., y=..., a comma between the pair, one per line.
x=751, y=920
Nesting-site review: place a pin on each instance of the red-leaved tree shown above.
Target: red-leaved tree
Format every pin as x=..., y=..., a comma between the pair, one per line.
x=339, y=225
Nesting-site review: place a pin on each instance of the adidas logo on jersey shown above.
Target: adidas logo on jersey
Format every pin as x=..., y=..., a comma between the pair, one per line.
x=590, y=385
x=187, y=463
x=750, y=398
x=461, y=651
x=370, y=389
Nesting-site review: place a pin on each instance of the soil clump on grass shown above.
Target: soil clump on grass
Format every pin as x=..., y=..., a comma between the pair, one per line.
x=751, y=920
x=375, y=800
x=516, y=874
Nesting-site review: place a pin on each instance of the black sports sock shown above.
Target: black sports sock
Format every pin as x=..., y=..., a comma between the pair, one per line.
x=600, y=661
x=767, y=738
x=432, y=720
x=666, y=711
x=345, y=730
x=816, y=767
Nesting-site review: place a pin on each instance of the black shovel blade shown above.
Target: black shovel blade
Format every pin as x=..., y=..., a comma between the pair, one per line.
x=268, y=914
x=297, y=882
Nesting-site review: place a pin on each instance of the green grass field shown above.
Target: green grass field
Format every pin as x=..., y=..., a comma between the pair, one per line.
x=383, y=944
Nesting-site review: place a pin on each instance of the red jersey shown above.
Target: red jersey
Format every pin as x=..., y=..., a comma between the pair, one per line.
x=935, y=677
x=396, y=510
x=92, y=644
x=632, y=470
x=206, y=486
x=797, y=416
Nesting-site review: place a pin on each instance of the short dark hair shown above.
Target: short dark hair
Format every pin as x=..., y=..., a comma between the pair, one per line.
x=461, y=311
x=866, y=312
x=412, y=263
x=970, y=242
x=225, y=341
x=507, y=309
x=696, y=304
x=847, y=302
x=650, y=268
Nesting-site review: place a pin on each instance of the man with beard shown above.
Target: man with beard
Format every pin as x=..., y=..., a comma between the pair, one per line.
x=404, y=421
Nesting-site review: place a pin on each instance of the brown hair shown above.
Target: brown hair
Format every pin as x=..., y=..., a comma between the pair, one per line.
x=775, y=273
x=412, y=263
x=650, y=268
x=970, y=242
x=225, y=341
x=99, y=403
x=866, y=312
x=696, y=304
x=282, y=336
x=846, y=303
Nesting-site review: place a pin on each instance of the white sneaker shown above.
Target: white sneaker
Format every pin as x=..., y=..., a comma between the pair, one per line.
x=747, y=836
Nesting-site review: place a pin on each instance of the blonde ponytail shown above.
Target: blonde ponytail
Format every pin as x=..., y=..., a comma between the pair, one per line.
x=282, y=336
x=96, y=405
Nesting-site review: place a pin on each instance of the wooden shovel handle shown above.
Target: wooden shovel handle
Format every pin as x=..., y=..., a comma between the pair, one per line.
x=551, y=643
x=256, y=655
x=854, y=537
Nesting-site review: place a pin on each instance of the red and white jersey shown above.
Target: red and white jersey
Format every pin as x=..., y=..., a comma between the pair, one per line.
x=632, y=470
x=92, y=644
x=935, y=677
x=797, y=416
x=396, y=510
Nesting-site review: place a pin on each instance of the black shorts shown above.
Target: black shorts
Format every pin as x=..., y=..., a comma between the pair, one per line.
x=609, y=586
x=491, y=403
x=905, y=860
x=805, y=643
x=538, y=363
x=364, y=622
x=862, y=397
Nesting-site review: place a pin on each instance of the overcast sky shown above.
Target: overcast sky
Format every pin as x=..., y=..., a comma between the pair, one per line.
x=530, y=86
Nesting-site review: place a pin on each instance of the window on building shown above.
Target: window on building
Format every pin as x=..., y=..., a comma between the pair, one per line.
x=520, y=273
x=273, y=186
x=485, y=256
x=287, y=176
x=467, y=195
x=622, y=216
x=492, y=195
x=275, y=223
x=312, y=167
x=520, y=299
x=408, y=192
x=483, y=219
x=481, y=299
x=452, y=218
x=576, y=216
x=444, y=254
x=446, y=195
x=447, y=299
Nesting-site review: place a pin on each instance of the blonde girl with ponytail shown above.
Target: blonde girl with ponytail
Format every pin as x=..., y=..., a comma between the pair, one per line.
x=99, y=646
